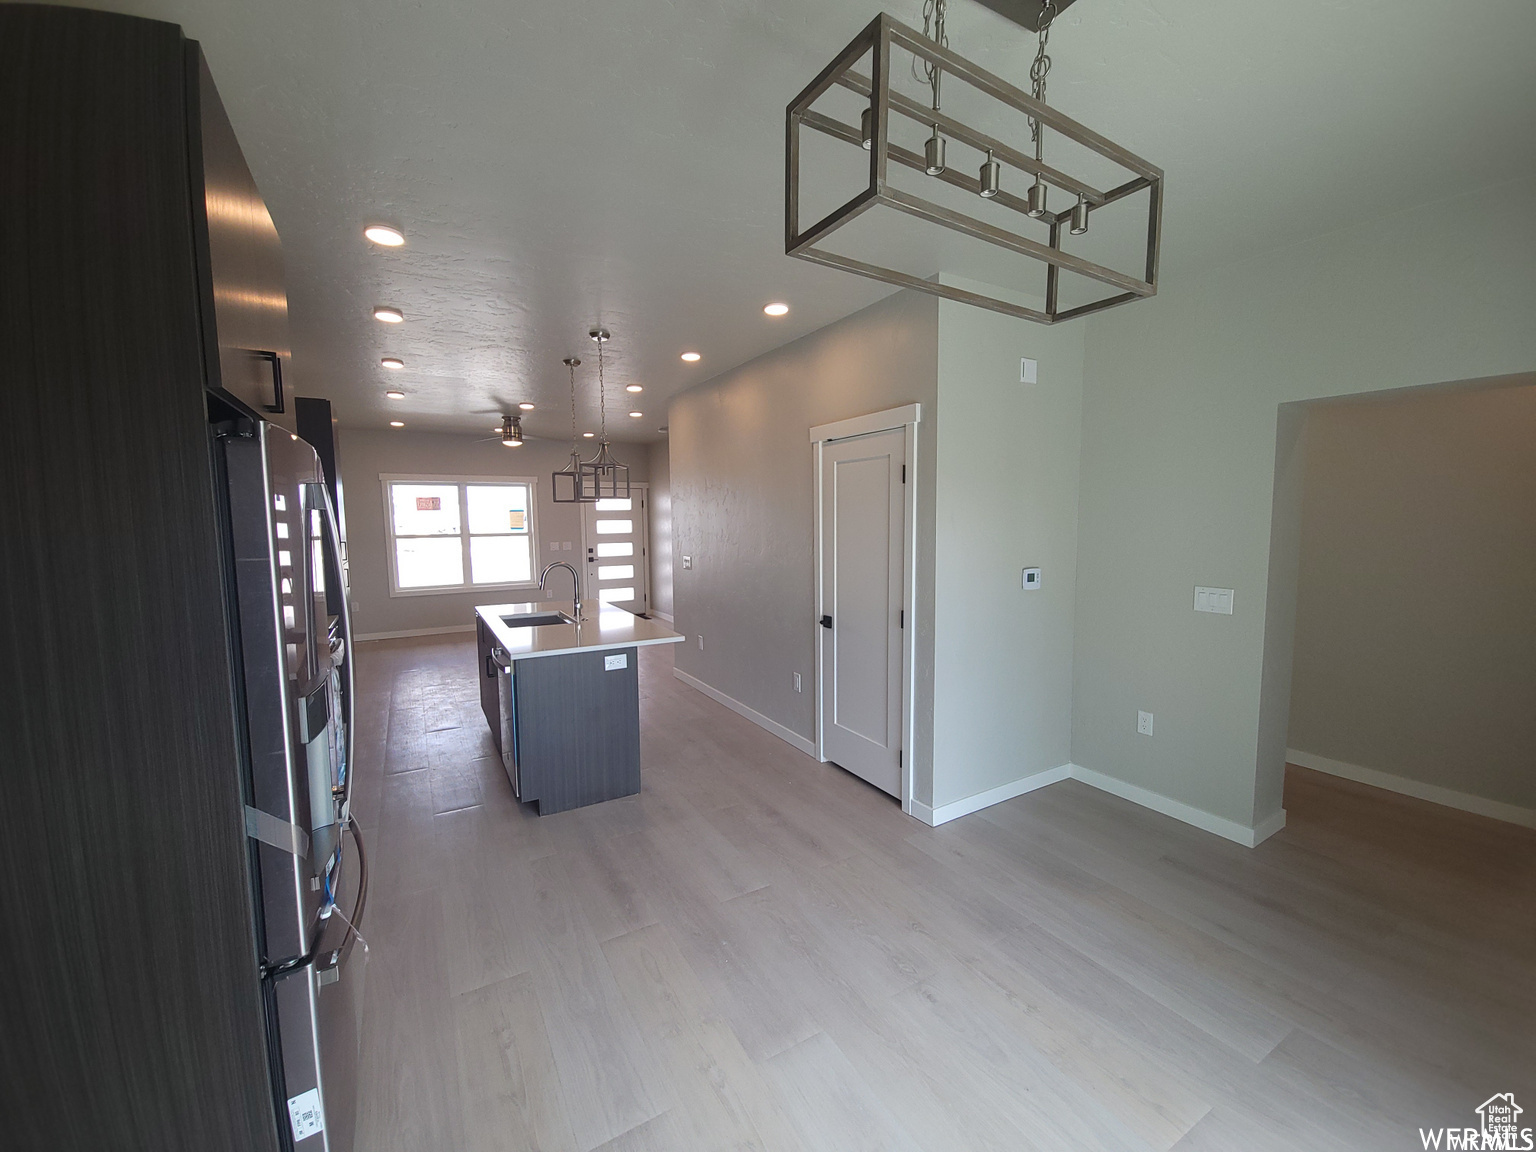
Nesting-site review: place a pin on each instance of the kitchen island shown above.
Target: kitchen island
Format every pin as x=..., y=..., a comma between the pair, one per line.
x=563, y=698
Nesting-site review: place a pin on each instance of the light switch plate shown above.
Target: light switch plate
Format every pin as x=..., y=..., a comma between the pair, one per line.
x=797, y=681
x=1217, y=600
x=687, y=561
x=1031, y=579
x=1029, y=371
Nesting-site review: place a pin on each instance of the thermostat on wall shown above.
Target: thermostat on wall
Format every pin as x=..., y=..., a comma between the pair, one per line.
x=1031, y=578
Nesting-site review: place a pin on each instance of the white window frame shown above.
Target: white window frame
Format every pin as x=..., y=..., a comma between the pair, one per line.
x=388, y=478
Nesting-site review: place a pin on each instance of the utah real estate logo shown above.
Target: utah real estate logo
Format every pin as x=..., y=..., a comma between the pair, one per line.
x=1499, y=1117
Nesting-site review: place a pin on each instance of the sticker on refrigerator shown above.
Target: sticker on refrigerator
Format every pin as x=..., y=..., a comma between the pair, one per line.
x=304, y=1111
x=614, y=663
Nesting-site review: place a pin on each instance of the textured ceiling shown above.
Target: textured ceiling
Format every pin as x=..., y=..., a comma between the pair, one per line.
x=561, y=164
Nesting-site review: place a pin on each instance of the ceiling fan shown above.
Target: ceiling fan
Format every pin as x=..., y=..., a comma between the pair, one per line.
x=509, y=432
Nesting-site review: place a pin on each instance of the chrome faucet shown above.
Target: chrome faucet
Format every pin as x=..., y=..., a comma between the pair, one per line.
x=575, y=586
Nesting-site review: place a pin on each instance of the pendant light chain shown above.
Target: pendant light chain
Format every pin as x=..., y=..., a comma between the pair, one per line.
x=565, y=483
x=602, y=395
x=602, y=477
x=1041, y=67
x=934, y=13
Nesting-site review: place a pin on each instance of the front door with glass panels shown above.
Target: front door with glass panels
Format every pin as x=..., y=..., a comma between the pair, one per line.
x=616, y=539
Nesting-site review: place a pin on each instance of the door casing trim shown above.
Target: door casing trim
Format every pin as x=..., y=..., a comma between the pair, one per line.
x=906, y=418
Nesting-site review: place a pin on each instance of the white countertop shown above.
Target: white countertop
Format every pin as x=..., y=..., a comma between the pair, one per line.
x=602, y=626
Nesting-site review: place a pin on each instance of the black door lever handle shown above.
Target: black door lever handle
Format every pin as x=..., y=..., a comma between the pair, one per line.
x=826, y=621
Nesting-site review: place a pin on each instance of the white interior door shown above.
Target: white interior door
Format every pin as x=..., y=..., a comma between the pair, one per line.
x=615, y=535
x=861, y=605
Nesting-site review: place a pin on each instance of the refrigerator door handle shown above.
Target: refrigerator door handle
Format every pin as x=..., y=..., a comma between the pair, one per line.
x=333, y=532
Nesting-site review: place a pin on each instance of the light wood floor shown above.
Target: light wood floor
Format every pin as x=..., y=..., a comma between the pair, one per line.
x=760, y=951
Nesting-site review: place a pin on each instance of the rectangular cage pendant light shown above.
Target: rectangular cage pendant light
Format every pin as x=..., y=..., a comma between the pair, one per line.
x=602, y=478
x=877, y=41
x=565, y=485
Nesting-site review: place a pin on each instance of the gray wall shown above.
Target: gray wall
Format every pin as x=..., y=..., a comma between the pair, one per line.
x=366, y=455
x=743, y=505
x=1181, y=425
x=1415, y=648
x=1007, y=499
x=661, y=527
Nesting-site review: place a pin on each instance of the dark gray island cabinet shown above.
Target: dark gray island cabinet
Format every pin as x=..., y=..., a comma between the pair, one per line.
x=563, y=699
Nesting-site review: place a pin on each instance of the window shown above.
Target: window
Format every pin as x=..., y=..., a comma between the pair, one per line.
x=457, y=534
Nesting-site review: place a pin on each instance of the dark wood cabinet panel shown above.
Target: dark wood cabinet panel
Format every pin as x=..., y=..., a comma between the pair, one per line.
x=578, y=729
x=490, y=703
x=245, y=296
x=131, y=1006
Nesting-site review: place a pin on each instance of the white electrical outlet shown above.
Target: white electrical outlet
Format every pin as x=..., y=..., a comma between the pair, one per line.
x=1144, y=723
x=616, y=662
x=1029, y=371
x=797, y=681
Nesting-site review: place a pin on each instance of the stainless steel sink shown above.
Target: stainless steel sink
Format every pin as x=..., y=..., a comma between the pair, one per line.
x=536, y=619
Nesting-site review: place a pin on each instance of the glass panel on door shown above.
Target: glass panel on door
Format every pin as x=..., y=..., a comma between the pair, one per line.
x=615, y=534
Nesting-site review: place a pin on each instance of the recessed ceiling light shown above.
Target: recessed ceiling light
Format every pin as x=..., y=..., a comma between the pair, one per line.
x=776, y=309
x=396, y=394
x=385, y=235
x=637, y=415
x=397, y=423
x=388, y=315
x=393, y=362
x=525, y=406
x=691, y=357
x=589, y=435
x=633, y=388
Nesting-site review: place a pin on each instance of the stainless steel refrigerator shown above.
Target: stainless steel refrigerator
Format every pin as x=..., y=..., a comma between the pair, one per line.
x=308, y=871
x=178, y=860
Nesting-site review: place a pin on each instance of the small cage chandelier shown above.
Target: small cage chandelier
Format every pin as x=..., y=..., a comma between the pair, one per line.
x=602, y=477
x=929, y=49
x=566, y=483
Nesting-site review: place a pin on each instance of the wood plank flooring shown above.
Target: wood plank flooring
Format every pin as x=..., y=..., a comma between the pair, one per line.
x=762, y=952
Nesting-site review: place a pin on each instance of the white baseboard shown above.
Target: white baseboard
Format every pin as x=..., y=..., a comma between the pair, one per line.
x=1207, y=821
x=1199, y=817
x=664, y=616
x=785, y=734
x=1465, y=801
x=954, y=810
x=405, y=633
